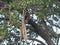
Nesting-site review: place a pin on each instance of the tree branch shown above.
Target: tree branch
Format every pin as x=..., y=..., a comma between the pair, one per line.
x=40, y=31
x=37, y=41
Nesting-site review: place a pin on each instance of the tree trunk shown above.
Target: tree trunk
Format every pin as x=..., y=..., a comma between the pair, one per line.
x=23, y=30
x=40, y=31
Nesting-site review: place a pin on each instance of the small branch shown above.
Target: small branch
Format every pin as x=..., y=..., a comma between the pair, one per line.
x=37, y=41
x=52, y=24
x=2, y=8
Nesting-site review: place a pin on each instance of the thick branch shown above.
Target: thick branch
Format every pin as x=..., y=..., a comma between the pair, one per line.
x=41, y=32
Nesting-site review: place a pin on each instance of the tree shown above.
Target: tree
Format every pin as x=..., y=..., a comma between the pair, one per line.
x=45, y=10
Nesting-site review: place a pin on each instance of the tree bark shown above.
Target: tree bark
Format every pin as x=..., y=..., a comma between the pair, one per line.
x=40, y=31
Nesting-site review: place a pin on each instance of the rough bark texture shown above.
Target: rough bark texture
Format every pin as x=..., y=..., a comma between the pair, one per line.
x=24, y=33
x=40, y=31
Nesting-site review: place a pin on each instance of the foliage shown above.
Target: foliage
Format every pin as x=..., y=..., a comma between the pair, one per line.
x=42, y=8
